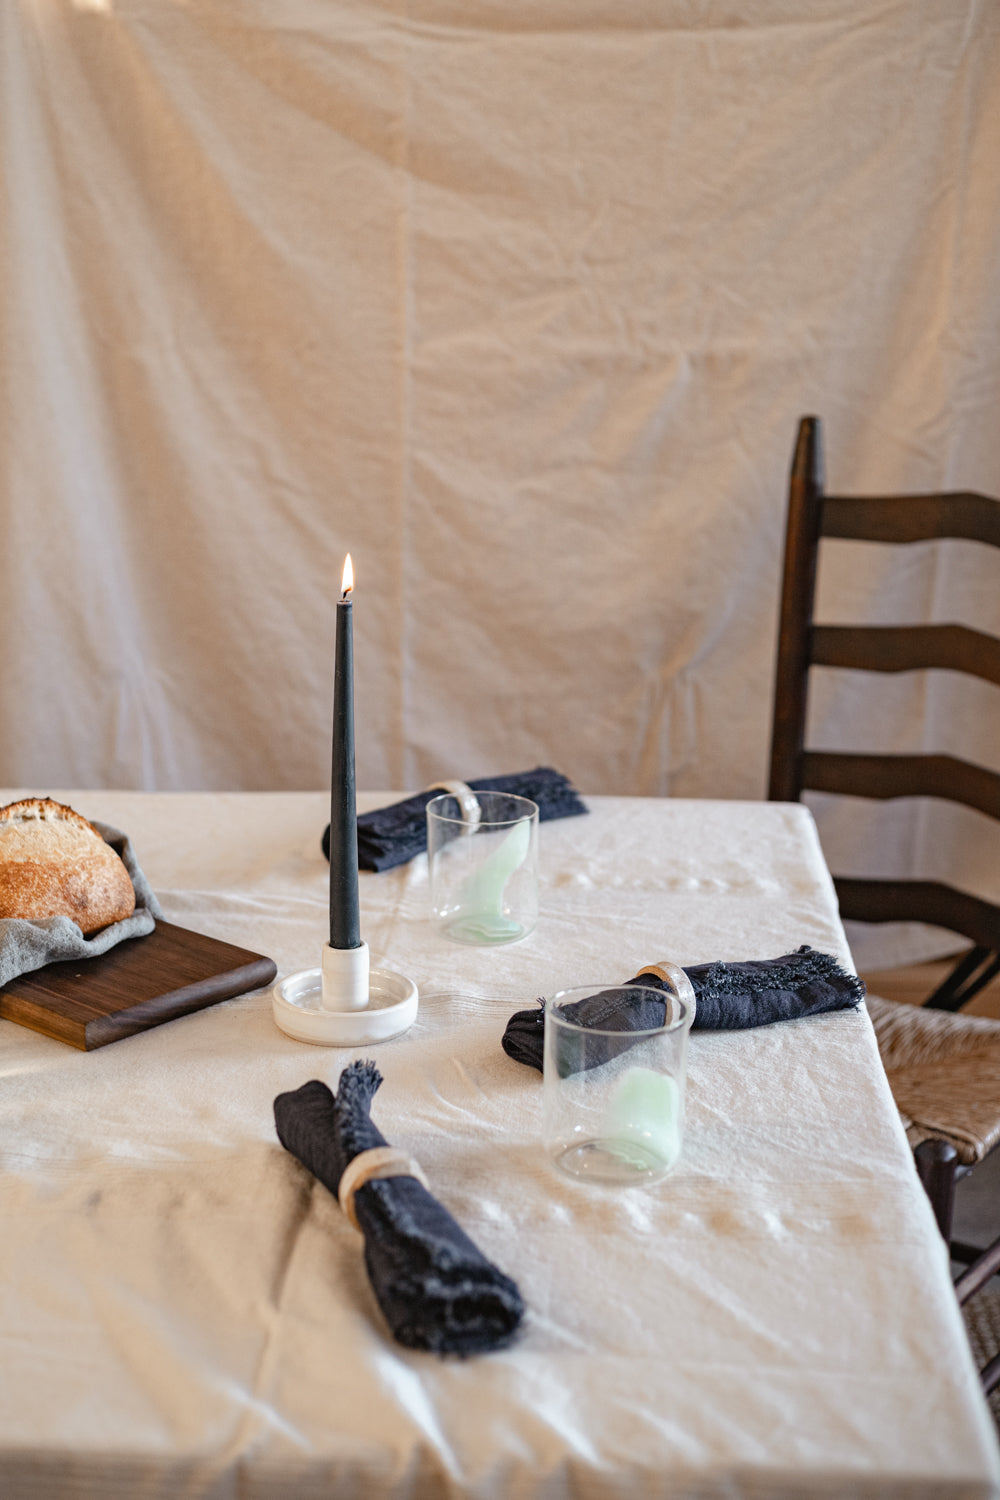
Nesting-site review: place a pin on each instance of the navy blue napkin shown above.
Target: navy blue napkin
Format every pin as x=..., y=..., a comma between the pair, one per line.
x=389, y=836
x=728, y=997
x=436, y=1289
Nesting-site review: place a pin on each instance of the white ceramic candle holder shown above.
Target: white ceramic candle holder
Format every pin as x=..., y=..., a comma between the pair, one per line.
x=345, y=978
x=346, y=1002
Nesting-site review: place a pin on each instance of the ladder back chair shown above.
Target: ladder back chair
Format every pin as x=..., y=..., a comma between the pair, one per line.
x=943, y=1066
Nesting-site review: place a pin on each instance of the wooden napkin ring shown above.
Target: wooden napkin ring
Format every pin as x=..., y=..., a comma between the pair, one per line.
x=379, y=1161
x=464, y=796
x=657, y=970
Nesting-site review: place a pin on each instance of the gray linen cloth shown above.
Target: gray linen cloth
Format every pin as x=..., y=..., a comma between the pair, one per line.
x=28, y=945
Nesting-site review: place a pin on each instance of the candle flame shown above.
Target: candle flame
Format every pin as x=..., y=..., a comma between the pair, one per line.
x=347, y=580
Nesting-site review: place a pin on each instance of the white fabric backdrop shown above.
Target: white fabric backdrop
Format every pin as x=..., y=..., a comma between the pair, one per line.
x=519, y=303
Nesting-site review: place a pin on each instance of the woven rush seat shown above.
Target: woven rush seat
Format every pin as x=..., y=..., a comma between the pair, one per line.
x=944, y=1073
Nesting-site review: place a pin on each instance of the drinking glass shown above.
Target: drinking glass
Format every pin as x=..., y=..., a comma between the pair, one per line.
x=614, y=1078
x=483, y=868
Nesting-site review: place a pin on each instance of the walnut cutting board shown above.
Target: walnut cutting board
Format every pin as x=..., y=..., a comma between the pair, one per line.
x=137, y=985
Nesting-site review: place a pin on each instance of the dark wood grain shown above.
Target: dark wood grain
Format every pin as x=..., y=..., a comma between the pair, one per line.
x=887, y=776
x=907, y=648
x=961, y=514
x=137, y=985
x=797, y=593
x=920, y=901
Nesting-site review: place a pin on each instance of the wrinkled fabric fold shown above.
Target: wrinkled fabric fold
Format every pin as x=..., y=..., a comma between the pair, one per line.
x=390, y=836
x=436, y=1289
x=728, y=997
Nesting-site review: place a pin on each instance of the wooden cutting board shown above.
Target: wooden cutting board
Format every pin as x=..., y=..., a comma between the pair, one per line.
x=139, y=984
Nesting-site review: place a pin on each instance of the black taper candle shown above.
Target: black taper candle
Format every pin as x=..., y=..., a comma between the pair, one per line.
x=345, y=917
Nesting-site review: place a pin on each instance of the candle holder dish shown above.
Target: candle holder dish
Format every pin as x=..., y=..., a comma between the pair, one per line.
x=297, y=1006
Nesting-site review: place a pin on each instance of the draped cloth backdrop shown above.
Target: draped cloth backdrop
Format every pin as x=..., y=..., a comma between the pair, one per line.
x=518, y=301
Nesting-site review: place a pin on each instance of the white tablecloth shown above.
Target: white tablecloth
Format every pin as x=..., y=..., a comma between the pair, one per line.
x=184, y=1313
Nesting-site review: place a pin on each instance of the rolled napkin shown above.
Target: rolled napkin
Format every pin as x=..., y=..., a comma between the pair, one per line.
x=390, y=836
x=435, y=1287
x=29, y=945
x=728, y=997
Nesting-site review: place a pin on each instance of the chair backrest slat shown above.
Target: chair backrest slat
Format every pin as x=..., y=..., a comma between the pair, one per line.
x=907, y=648
x=961, y=514
x=887, y=776
x=920, y=901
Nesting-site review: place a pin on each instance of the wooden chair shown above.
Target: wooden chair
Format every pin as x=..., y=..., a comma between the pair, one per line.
x=943, y=1067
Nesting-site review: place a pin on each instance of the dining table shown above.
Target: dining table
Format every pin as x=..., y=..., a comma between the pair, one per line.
x=185, y=1310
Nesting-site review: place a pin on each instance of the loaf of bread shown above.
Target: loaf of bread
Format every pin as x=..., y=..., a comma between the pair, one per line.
x=53, y=863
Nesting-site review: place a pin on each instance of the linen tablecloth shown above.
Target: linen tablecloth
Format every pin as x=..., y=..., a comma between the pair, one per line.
x=184, y=1312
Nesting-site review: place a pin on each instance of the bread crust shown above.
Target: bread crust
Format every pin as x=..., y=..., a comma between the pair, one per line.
x=53, y=863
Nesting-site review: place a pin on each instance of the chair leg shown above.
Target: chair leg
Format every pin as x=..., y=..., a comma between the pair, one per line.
x=937, y=1165
x=973, y=972
x=982, y=1270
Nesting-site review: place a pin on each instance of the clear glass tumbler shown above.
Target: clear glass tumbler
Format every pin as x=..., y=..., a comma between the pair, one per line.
x=614, y=1077
x=483, y=869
